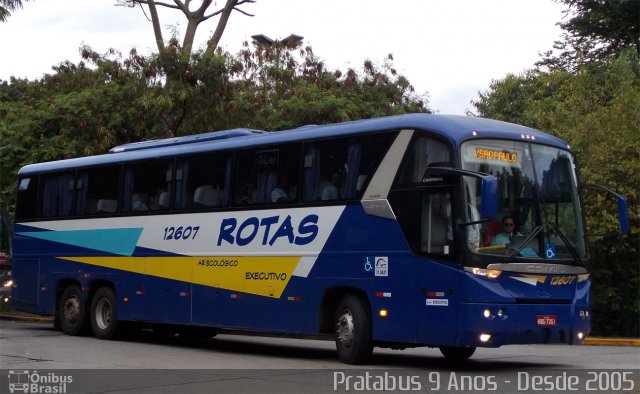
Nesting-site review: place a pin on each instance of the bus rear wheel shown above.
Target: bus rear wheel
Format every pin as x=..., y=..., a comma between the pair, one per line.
x=104, y=314
x=353, y=331
x=453, y=353
x=72, y=315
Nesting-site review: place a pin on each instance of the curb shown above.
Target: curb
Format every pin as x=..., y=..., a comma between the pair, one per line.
x=26, y=317
x=595, y=341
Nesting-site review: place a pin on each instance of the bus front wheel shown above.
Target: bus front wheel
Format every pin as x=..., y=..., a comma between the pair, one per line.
x=104, y=316
x=457, y=353
x=72, y=314
x=353, y=331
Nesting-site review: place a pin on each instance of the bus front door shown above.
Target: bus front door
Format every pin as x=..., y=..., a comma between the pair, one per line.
x=435, y=268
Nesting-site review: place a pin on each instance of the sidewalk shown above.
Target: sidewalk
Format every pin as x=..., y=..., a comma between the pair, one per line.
x=590, y=341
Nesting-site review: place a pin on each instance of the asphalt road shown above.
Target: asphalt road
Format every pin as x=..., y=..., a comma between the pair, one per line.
x=146, y=363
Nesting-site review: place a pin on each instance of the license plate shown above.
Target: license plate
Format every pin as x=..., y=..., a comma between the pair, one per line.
x=546, y=320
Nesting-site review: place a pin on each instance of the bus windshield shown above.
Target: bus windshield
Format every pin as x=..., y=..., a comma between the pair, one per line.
x=539, y=214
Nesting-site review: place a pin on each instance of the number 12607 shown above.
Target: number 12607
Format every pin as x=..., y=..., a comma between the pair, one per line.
x=182, y=232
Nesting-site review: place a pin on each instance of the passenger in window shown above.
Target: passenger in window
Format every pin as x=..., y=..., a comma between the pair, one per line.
x=142, y=203
x=283, y=192
x=332, y=190
x=508, y=227
x=243, y=197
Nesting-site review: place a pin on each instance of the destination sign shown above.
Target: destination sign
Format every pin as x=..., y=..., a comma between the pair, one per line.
x=492, y=154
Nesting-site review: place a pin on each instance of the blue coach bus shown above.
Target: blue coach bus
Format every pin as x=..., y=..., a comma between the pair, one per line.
x=414, y=230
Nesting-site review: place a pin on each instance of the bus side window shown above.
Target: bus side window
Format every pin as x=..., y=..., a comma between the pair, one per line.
x=203, y=181
x=338, y=169
x=57, y=194
x=437, y=230
x=97, y=190
x=267, y=175
x=424, y=152
x=26, y=207
x=145, y=183
x=326, y=167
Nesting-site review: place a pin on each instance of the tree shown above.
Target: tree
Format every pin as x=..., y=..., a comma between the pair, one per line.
x=594, y=109
x=279, y=86
x=597, y=30
x=7, y=7
x=589, y=95
x=174, y=59
x=194, y=18
x=84, y=109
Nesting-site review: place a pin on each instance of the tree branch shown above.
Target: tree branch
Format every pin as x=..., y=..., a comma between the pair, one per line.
x=184, y=7
x=243, y=12
x=222, y=23
x=144, y=12
x=194, y=18
x=218, y=12
x=213, y=14
x=147, y=2
x=202, y=9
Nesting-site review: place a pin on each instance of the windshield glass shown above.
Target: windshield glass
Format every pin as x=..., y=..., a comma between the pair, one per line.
x=539, y=212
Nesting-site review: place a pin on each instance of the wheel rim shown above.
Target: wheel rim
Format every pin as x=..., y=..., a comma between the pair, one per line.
x=345, y=329
x=71, y=310
x=103, y=313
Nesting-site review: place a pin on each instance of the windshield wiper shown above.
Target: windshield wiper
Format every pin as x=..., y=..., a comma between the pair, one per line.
x=524, y=243
x=572, y=250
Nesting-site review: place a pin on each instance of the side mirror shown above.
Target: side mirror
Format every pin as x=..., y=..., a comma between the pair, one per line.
x=623, y=212
x=489, y=194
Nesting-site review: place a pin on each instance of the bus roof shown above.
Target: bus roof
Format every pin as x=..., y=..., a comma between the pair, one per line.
x=455, y=128
x=189, y=139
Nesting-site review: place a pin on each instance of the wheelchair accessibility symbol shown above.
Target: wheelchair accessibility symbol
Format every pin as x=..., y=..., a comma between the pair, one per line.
x=367, y=264
x=550, y=250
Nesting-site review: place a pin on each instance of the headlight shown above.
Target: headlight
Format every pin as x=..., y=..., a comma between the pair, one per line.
x=487, y=273
x=8, y=283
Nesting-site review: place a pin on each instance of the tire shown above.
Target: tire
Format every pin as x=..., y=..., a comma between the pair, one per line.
x=353, y=331
x=104, y=314
x=72, y=314
x=457, y=353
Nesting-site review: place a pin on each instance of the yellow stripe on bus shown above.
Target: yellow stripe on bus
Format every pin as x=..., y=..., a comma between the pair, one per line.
x=265, y=276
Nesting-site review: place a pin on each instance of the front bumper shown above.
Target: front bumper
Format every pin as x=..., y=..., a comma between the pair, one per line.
x=519, y=324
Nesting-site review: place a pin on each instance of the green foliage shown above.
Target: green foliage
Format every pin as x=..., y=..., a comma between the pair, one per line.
x=112, y=99
x=7, y=7
x=596, y=31
x=597, y=110
x=279, y=89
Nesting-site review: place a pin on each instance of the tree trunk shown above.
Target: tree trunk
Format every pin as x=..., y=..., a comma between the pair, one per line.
x=222, y=23
x=190, y=35
x=157, y=31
